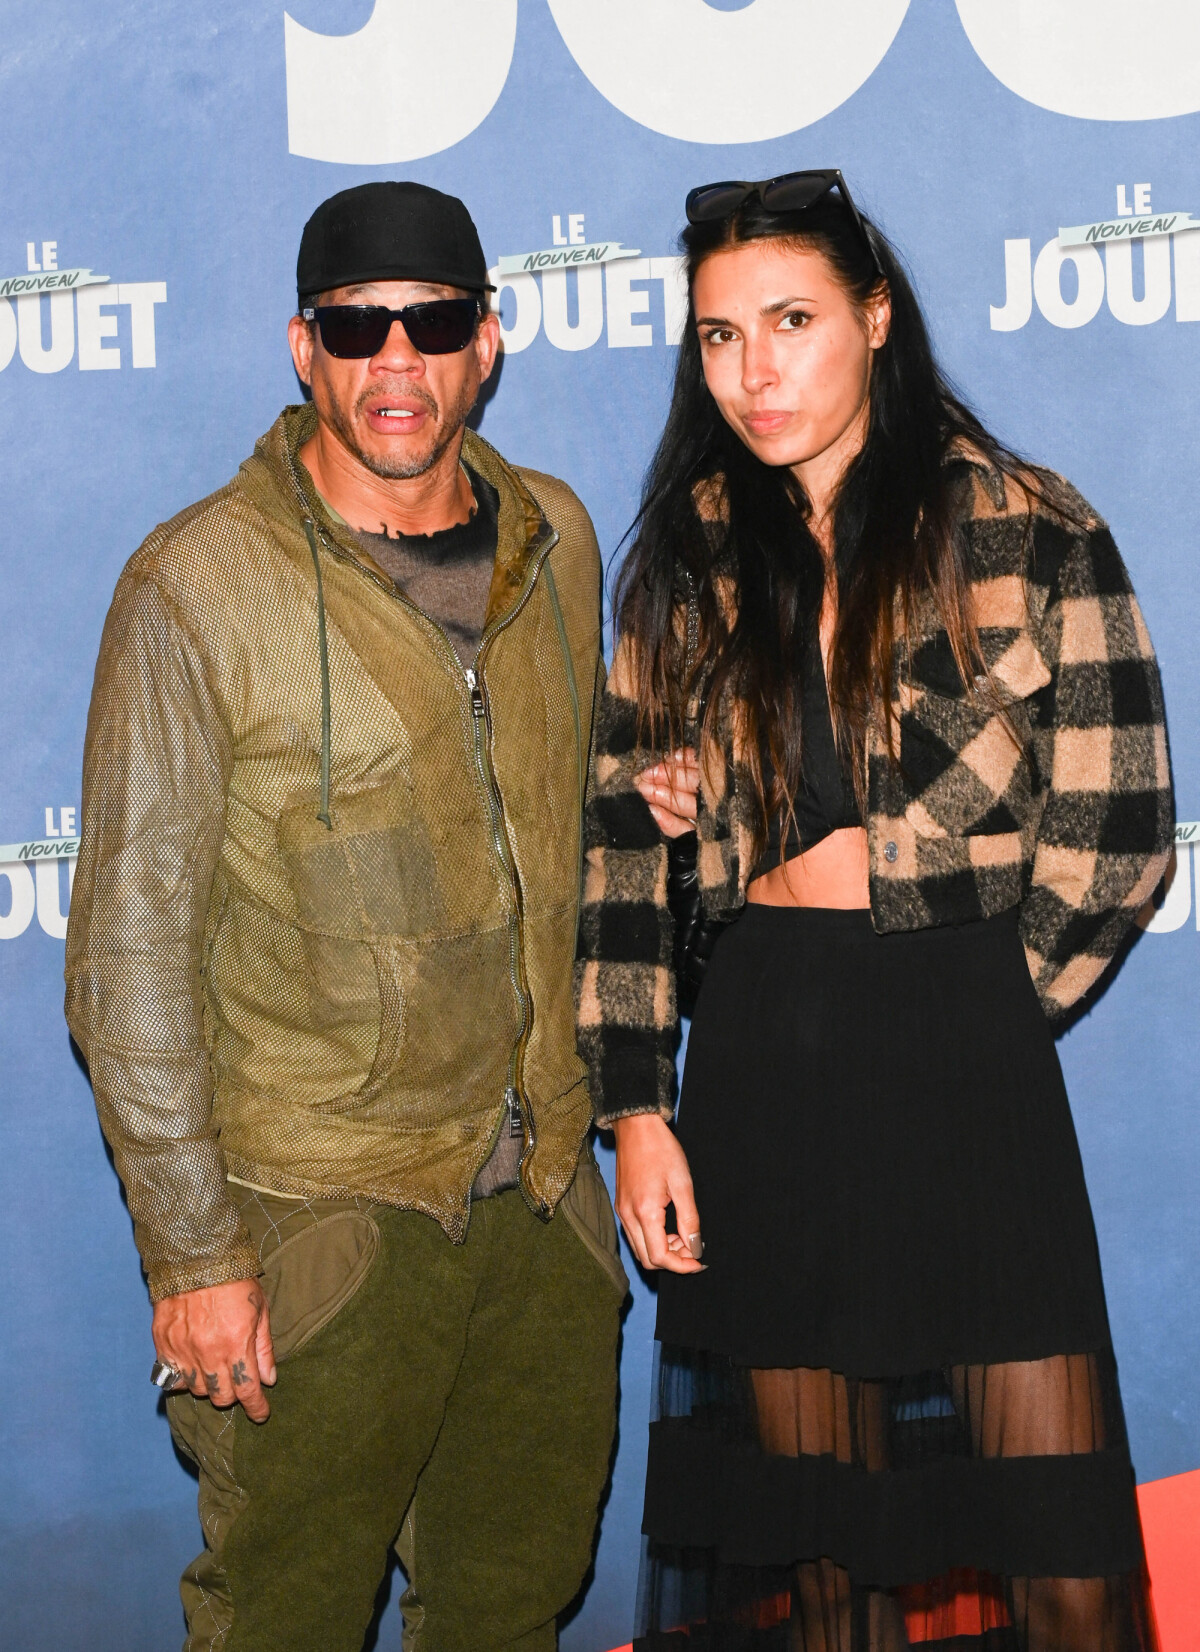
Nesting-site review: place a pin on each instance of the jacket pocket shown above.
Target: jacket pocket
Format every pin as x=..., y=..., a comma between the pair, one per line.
x=372, y=872
x=391, y=1006
x=1016, y=667
x=589, y=1213
x=965, y=763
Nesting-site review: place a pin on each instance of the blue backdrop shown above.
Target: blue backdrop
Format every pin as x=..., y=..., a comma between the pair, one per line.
x=177, y=149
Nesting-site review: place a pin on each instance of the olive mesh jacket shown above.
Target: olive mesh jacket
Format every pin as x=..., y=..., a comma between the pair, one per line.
x=1047, y=789
x=326, y=904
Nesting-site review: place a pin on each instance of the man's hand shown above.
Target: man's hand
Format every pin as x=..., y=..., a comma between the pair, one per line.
x=652, y=1173
x=670, y=789
x=220, y=1338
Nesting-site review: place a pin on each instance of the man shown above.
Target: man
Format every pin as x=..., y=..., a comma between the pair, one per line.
x=319, y=960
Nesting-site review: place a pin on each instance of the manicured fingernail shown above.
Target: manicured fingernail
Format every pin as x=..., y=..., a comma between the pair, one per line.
x=696, y=1245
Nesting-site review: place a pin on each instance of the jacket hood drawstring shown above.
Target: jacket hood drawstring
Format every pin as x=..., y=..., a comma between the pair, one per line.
x=323, y=650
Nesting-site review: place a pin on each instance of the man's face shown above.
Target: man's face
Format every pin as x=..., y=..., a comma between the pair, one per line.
x=396, y=411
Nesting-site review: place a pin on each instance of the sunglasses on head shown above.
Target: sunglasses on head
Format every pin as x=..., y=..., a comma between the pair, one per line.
x=435, y=327
x=790, y=192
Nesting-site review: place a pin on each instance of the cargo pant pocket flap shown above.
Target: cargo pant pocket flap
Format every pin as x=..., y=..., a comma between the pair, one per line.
x=312, y=1275
x=588, y=1209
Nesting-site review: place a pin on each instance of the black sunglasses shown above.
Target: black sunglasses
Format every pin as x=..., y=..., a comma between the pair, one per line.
x=435, y=327
x=790, y=192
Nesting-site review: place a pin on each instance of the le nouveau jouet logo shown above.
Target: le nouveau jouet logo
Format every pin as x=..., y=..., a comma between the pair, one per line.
x=53, y=313
x=616, y=294
x=40, y=874
x=1069, y=280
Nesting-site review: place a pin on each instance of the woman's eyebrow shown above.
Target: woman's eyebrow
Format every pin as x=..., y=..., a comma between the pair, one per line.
x=774, y=308
x=784, y=304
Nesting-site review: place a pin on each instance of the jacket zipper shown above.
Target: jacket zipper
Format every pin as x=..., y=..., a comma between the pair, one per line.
x=518, y=1114
x=482, y=733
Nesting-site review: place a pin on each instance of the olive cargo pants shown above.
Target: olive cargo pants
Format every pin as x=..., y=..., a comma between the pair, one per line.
x=474, y=1382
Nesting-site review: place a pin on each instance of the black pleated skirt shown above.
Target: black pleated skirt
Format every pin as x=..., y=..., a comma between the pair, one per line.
x=888, y=1412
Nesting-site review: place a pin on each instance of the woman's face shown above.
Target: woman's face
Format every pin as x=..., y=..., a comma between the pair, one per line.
x=787, y=355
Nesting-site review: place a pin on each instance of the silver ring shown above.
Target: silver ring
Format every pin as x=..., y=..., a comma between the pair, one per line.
x=164, y=1376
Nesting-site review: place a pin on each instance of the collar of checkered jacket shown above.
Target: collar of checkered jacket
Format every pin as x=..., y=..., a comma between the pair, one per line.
x=326, y=903
x=1049, y=791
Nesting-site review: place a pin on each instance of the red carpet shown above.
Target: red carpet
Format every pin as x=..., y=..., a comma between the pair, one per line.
x=1171, y=1523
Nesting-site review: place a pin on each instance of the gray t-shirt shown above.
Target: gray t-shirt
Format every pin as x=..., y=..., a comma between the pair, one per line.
x=447, y=574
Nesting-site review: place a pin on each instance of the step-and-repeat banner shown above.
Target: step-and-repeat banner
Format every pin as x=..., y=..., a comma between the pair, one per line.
x=1036, y=160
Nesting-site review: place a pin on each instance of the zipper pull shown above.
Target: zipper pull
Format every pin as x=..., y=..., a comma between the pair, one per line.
x=478, y=705
x=516, y=1125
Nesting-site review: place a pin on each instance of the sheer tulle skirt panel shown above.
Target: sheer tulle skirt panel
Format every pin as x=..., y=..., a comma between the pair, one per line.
x=888, y=1411
x=973, y=1507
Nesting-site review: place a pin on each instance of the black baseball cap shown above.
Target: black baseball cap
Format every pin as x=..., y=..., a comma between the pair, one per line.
x=390, y=232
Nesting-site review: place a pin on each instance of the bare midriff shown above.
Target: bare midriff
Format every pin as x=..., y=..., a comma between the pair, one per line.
x=831, y=873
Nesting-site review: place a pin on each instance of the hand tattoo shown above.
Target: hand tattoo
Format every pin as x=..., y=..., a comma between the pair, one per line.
x=190, y=1378
x=212, y=1382
x=239, y=1372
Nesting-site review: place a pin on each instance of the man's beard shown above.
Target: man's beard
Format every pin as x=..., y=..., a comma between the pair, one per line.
x=403, y=465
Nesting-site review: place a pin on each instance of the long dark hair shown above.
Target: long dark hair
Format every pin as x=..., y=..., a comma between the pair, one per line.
x=756, y=573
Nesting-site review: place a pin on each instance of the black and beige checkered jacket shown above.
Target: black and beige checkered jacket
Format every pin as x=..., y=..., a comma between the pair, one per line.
x=1047, y=789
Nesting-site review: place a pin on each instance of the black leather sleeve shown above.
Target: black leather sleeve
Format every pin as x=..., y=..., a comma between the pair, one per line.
x=695, y=935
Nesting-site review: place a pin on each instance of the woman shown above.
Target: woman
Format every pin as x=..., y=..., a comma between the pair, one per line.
x=934, y=791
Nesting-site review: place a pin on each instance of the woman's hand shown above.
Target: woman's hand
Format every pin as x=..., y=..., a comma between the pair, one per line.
x=670, y=788
x=652, y=1173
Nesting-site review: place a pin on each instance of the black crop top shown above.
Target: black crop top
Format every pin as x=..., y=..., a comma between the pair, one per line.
x=825, y=801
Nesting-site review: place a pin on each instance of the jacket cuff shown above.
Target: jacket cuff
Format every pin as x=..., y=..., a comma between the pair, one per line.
x=635, y=1077
x=663, y=1110
x=175, y=1278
